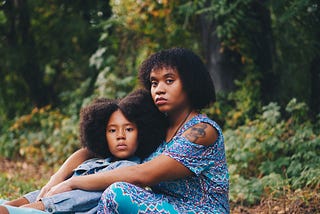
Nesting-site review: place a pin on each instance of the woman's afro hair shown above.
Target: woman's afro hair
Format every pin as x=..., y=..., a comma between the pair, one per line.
x=138, y=107
x=195, y=77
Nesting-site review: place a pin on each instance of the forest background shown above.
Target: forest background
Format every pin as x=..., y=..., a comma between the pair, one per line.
x=263, y=55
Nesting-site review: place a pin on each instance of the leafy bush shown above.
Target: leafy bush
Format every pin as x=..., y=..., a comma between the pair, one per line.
x=43, y=135
x=270, y=153
x=235, y=108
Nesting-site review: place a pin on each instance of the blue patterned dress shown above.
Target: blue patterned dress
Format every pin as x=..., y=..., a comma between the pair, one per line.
x=204, y=192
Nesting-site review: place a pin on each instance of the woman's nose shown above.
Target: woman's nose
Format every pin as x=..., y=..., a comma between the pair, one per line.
x=160, y=89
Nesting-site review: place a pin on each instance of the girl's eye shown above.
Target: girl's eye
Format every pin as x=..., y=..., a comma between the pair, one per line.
x=129, y=129
x=111, y=130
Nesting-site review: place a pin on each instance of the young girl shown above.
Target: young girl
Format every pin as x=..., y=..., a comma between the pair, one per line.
x=188, y=172
x=121, y=133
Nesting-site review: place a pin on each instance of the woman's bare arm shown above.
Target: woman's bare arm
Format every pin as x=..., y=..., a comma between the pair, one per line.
x=149, y=173
x=161, y=168
x=201, y=133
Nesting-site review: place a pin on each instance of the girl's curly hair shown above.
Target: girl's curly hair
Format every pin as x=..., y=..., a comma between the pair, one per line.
x=194, y=75
x=138, y=107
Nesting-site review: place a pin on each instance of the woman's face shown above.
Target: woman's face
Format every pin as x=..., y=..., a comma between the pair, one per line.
x=167, y=90
x=122, y=136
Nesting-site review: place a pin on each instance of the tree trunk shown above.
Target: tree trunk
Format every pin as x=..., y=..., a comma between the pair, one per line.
x=30, y=69
x=263, y=41
x=219, y=63
x=315, y=86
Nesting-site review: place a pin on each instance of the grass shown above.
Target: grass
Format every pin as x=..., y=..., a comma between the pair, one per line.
x=18, y=178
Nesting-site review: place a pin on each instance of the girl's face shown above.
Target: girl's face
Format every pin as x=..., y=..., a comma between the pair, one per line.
x=121, y=135
x=167, y=91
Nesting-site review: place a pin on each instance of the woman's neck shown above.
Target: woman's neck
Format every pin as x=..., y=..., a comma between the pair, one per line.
x=176, y=121
x=177, y=117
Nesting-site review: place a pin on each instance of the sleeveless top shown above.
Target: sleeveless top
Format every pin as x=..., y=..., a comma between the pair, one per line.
x=207, y=190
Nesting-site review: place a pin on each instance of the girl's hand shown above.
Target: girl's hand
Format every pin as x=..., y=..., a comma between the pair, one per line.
x=59, y=188
x=44, y=190
x=66, y=170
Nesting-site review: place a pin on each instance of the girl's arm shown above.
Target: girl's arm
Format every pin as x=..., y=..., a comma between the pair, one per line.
x=65, y=171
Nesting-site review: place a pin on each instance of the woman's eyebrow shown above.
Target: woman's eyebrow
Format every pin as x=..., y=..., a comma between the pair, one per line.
x=170, y=74
x=125, y=124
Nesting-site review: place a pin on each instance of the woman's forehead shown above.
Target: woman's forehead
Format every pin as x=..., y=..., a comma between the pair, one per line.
x=163, y=71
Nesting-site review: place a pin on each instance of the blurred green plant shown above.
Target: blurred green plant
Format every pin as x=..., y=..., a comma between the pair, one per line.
x=12, y=186
x=44, y=135
x=235, y=108
x=271, y=153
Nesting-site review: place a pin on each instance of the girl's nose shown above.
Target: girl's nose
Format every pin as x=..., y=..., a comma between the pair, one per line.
x=121, y=134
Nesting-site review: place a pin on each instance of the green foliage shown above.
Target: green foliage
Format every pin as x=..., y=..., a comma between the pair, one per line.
x=280, y=152
x=296, y=35
x=246, y=100
x=12, y=188
x=235, y=108
x=277, y=40
x=45, y=48
x=109, y=82
x=44, y=135
x=227, y=14
x=81, y=52
x=135, y=30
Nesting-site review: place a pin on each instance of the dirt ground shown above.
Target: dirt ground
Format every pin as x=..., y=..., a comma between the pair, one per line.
x=282, y=206
x=25, y=170
x=303, y=202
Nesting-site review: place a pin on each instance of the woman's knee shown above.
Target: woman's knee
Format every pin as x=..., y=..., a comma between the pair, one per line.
x=119, y=184
x=115, y=192
x=116, y=198
x=116, y=187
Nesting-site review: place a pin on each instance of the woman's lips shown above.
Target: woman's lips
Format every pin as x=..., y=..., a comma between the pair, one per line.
x=161, y=101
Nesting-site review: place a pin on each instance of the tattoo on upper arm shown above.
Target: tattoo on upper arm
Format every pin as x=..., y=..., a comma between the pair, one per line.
x=196, y=132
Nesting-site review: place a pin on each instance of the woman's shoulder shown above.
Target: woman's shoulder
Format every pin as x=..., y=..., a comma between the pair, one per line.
x=202, y=130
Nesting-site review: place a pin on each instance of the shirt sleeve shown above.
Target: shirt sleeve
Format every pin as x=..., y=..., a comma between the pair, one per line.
x=195, y=157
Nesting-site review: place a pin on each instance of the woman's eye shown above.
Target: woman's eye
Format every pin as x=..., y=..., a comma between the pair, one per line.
x=169, y=81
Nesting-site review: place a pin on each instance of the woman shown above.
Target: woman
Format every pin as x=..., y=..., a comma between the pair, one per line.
x=188, y=173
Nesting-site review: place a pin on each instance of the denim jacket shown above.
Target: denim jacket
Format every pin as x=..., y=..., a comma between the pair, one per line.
x=95, y=165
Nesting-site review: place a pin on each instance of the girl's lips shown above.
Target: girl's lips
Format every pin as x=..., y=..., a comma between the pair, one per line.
x=121, y=146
